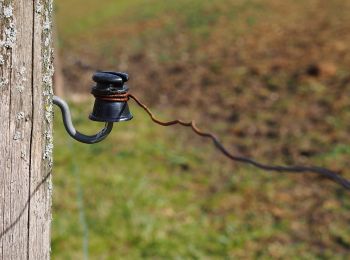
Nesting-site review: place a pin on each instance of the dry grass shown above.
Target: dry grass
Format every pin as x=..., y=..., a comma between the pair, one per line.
x=271, y=77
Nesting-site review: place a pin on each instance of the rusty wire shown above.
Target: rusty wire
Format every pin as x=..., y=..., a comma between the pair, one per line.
x=118, y=97
x=273, y=168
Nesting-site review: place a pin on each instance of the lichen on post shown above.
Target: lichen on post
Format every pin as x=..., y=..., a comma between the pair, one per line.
x=26, y=128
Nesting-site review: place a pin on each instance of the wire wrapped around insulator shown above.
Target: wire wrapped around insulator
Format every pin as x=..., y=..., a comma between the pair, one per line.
x=119, y=97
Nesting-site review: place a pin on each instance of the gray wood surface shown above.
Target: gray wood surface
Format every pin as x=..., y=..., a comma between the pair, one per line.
x=25, y=129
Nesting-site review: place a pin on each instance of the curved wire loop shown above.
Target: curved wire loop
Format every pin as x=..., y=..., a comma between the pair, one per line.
x=68, y=124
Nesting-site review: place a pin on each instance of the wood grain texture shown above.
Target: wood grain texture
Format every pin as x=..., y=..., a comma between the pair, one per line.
x=25, y=129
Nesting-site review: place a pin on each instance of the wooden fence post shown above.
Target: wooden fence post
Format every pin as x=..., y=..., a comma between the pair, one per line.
x=25, y=128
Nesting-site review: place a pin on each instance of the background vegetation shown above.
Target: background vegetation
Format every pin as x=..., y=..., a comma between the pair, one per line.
x=270, y=77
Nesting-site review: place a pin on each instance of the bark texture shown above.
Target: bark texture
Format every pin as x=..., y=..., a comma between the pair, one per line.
x=25, y=128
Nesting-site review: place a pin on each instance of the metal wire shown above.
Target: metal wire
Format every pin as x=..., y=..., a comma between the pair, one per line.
x=272, y=168
x=118, y=97
x=75, y=170
x=81, y=207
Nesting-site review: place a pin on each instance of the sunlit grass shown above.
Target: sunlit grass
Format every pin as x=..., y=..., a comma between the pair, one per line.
x=154, y=192
x=146, y=193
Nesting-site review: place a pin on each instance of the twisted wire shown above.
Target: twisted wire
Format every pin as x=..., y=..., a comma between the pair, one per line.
x=118, y=97
x=272, y=168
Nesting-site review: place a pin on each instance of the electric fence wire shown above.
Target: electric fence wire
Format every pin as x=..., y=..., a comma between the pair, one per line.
x=82, y=216
x=81, y=207
x=272, y=168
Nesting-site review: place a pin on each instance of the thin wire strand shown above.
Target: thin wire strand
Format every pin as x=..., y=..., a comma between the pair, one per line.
x=74, y=168
x=273, y=168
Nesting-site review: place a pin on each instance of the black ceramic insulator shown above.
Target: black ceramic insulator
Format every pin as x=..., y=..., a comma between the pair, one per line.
x=110, y=84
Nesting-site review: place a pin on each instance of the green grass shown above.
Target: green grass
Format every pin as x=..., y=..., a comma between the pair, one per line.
x=84, y=18
x=161, y=193
x=131, y=200
x=92, y=22
x=146, y=192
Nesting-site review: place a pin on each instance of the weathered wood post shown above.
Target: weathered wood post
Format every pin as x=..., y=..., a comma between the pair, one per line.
x=25, y=128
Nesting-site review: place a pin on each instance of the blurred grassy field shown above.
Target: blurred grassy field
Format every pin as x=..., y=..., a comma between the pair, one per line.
x=152, y=192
